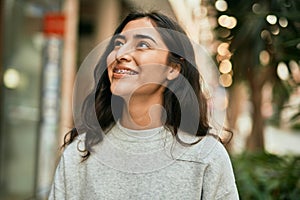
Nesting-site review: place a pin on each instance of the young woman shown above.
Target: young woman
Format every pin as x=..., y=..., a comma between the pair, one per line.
x=144, y=132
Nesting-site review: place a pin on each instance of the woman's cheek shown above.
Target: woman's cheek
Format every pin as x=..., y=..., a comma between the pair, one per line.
x=110, y=59
x=109, y=63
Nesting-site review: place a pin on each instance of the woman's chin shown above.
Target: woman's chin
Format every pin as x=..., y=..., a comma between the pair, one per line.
x=121, y=91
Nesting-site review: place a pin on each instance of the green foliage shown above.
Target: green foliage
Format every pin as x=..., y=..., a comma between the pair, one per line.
x=265, y=176
x=296, y=126
x=296, y=120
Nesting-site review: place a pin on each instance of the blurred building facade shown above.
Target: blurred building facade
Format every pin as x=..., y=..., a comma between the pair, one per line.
x=31, y=126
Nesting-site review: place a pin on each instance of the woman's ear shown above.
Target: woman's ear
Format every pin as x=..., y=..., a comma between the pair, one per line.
x=174, y=71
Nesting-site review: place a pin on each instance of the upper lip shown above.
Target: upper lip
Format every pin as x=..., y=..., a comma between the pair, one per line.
x=122, y=67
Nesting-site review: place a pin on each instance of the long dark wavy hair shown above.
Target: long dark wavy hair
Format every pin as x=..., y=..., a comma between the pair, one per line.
x=178, y=95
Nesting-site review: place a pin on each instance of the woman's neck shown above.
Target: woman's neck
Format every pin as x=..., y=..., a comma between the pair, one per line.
x=142, y=113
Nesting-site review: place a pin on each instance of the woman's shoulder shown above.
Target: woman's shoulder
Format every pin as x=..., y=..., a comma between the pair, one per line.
x=213, y=149
x=208, y=150
x=74, y=151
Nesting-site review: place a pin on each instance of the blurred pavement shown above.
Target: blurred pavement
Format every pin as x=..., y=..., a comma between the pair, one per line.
x=282, y=142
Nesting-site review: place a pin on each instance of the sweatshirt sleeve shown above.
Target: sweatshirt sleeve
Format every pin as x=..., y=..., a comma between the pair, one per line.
x=219, y=181
x=57, y=191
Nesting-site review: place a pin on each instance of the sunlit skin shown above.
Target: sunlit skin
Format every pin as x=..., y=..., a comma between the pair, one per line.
x=138, y=72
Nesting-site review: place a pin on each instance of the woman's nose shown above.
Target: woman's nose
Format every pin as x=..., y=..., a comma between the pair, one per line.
x=124, y=53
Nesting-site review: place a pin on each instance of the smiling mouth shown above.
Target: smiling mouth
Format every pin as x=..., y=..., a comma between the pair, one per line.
x=125, y=71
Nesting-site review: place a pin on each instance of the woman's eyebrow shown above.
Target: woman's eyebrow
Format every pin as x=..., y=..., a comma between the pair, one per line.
x=140, y=36
x=118, y=36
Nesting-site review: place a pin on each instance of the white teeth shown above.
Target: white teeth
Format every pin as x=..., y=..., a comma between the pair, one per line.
x=124, y=71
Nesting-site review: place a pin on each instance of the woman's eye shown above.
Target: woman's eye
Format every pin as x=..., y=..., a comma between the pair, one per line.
x=118, y=43
x=143, y=45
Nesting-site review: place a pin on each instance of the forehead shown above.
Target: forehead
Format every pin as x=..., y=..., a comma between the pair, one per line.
x=138, y=23
x=142, y=25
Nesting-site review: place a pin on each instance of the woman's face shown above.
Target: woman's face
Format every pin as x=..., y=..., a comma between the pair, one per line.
x=138, y=63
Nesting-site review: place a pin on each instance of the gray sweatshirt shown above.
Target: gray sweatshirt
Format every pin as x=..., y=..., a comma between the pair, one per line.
x=147, y=164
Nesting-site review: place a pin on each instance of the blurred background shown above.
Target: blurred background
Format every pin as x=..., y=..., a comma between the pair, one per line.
x=254, y=43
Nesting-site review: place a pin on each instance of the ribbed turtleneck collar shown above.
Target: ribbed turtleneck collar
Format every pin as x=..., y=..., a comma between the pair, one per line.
x=144, y=134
